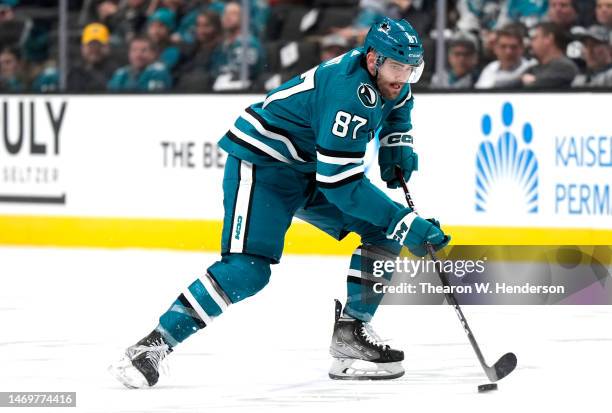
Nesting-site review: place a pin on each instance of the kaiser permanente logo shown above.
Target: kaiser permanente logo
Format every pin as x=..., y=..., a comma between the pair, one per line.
x=506, y=168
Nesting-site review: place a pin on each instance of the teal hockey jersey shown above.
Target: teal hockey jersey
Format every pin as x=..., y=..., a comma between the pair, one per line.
x=320, y=123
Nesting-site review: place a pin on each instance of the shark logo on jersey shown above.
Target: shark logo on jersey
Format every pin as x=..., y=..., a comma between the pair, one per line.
x=367, y=95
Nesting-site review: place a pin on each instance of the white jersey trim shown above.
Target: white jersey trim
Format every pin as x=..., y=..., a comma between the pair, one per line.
x=403, y=102
x=342, y=175
x=259, y=145
x=337, y=161
x=272, y=135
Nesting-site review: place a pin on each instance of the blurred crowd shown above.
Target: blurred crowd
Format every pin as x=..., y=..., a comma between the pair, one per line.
x=198, y=46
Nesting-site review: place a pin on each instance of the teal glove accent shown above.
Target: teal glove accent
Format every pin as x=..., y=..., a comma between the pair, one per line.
x=396, y=151
x=411, y=230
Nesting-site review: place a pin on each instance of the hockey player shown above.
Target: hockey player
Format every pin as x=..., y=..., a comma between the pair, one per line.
x=300, y=153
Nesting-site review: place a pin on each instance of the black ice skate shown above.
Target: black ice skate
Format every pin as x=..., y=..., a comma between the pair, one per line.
x=140, y=365
x=359, y=354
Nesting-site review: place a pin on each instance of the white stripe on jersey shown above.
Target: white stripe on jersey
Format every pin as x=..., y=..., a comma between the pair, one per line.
x=272, y=135
x=337, y=161
x=259, y=145
x=307, y=84
x=342, y=175
x=403, y=102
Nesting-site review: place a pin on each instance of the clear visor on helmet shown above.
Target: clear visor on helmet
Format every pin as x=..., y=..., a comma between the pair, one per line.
x=394, y=71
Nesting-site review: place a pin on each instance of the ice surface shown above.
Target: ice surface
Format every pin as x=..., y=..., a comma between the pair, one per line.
x=65, y=314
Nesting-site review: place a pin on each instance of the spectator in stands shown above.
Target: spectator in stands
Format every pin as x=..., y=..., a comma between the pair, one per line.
x=14, y=30
x=160, y=27
x=462, y=60
x=494, y=14
x=124, y=19
x=488, y=40
x=185, y=15
x=259, y=16
x=47, y=79
x=603, y=13
x=186, y=12
x=487, y=16
x=95, y=68
x=563, y=13
x=420, y=14
x=228, y=62
x=274, y=3
x=476, y=15
x=106, y=9
x=598, y=57
x=333, y=45
x=10, y=73
x=197, y=73
x=511, y=62
x=178, y=7
x=106, y=12
x=370, y=11
x=143, y=73
x=208, y=36
x=6, y=10
x=129, y=20
x=554, y=69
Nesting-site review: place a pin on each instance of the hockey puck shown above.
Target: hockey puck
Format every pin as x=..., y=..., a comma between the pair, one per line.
x=487, y=387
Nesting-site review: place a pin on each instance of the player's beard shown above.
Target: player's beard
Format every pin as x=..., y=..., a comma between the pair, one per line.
x=389, y=90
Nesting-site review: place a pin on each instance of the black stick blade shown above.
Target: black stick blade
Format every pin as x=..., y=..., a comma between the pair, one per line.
x=505, y=365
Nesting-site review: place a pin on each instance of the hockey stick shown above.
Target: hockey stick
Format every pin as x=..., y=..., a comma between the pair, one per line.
x=507, y=363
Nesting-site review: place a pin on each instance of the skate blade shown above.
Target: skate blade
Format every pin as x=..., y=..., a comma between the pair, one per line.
x=353, y=369
x=127, y=374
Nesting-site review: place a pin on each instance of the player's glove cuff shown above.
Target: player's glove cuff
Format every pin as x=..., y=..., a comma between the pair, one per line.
x=396, y=152
x=400, y=225
x=412, y=231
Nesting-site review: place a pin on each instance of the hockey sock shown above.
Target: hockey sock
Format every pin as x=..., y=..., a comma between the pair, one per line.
x=234, y=278
x=193, y=310
x=362, y=301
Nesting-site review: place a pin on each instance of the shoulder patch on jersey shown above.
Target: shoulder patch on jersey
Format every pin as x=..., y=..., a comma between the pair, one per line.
x=367, y=95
